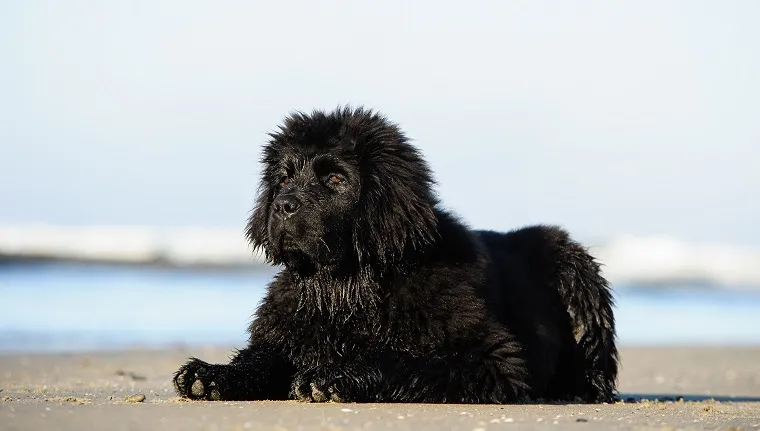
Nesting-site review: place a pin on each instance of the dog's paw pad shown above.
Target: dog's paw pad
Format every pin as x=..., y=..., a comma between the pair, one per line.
x=179, y=380
x=198, y=389
x=300, y=394
x=335, y=395
x=318, y=395
x=214, y=395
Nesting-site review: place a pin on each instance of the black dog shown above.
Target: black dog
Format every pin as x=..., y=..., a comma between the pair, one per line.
x=385, y=297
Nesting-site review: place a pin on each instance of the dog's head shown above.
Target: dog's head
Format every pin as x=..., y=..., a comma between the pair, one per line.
x=342, y=188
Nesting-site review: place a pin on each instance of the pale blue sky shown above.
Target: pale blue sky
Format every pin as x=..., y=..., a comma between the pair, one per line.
x=607, y=117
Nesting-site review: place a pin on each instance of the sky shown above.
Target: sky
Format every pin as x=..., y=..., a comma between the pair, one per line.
x=606, y=117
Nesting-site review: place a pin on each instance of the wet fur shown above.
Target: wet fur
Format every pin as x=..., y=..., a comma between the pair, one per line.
x=384, y=296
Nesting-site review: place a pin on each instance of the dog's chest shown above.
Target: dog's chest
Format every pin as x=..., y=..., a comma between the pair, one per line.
x=320, y=323
x=318, y=340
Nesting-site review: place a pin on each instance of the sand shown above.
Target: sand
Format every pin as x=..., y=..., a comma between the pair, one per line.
x=131, y=390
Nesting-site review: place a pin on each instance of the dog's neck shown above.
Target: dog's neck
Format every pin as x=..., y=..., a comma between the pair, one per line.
x=337, y=297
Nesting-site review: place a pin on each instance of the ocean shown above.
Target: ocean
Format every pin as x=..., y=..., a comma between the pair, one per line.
x=68, y=307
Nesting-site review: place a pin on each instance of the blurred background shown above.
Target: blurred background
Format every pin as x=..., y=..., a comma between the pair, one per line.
x=131, y=132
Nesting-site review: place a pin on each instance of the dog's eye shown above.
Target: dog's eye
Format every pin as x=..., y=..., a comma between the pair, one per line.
x=285, y=180
x=334, y=179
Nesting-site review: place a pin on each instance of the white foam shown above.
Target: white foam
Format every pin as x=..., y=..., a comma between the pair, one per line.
x=656, y=259
x=133, y=244
x=627, y=259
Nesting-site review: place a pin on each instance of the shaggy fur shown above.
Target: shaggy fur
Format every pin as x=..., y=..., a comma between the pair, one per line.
x=385, y=297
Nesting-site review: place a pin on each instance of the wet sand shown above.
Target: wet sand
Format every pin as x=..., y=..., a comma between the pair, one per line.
x=663, y=388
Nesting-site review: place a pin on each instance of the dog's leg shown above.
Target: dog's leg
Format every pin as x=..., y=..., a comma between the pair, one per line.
x=494, y=372
x=255, y=373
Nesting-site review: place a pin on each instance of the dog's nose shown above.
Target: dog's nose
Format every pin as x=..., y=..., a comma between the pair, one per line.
x=286, y=205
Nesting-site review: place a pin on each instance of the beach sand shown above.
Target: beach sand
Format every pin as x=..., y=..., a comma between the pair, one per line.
x=720, y=389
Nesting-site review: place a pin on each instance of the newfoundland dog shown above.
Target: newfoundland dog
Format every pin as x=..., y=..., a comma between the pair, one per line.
x=384, y=296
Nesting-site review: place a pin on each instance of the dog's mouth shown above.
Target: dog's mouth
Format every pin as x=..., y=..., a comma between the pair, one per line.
x=292, y=254
x=298, y=254
x=287, y=243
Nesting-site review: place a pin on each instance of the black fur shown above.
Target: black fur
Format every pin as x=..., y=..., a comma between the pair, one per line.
x=386, y=297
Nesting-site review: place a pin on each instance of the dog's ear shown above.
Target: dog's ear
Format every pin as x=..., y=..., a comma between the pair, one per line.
x=397, y=209
x=394, y=221
x=256, y=229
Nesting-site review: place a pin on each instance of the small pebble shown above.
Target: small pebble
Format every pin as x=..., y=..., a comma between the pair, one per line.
x=136, y=398
x=346, y=410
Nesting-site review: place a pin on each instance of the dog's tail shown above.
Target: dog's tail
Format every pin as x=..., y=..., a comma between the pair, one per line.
x=591, y=364
x=588, y=298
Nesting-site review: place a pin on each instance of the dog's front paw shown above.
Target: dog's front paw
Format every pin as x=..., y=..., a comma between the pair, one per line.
x=198, y=380
x=330, y=383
